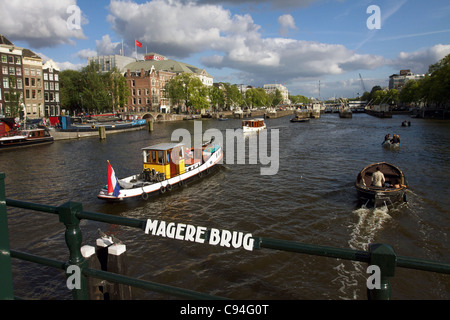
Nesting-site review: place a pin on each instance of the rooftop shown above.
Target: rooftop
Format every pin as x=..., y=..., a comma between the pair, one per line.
x=164, y=65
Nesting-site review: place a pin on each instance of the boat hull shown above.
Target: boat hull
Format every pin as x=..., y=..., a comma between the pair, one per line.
x=387, y=195
x=143, y=190
x=25, y=140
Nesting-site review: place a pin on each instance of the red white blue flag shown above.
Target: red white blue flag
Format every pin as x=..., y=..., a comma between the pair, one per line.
x=113, y=183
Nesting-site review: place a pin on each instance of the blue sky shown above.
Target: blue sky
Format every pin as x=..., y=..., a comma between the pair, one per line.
x=292, y=42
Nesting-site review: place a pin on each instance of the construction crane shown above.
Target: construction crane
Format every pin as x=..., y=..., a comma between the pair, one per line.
x=362, y=83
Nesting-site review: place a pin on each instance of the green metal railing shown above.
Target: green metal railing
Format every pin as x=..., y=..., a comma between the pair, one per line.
x=71, y=213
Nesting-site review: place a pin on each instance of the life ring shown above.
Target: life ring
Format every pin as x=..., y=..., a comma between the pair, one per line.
x=169, y=187
x=144, y=196
x=162, y=189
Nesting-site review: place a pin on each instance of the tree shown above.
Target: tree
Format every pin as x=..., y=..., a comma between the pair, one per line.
x=216, y=96
x=70, y=90
x=410, y=92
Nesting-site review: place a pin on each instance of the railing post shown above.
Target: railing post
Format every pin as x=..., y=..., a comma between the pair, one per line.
x=384, y=257
x=67, y=215
x=6, y=287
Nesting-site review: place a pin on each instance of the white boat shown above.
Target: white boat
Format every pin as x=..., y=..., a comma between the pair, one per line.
x=390, y=145
x=166, y=166
x=25, y=138
x=253, y=125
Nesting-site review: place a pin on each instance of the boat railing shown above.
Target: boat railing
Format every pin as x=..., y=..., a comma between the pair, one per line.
x=71, y=214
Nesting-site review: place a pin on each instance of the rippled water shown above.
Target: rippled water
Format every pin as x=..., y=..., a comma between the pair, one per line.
x=311, y=199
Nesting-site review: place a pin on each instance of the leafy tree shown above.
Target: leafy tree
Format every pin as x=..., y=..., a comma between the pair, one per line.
x=216, y=96
x=410, y=92
x=70, y=85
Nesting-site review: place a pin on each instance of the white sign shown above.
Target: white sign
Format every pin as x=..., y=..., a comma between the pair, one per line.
x=187, y=232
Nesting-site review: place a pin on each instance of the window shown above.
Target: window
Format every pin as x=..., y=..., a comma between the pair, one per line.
x=45, y=85
x=19, y=84
x=26, y=71
x=33, y=82
x=45, y=76
x=56, y=86
x=46, y=96
x=12, y=71
x=18, y=60
x=52, y=86
x=27, y=94
x=50, y=76
x=10, y=59
x=27, y=82
x=4, y=59
x=33, y=72
x=57, y=97
x=19, y=71
x=5, y=70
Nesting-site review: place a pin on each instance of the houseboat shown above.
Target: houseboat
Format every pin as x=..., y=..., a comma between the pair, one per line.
x=253, y=125
x=165, y=166
x=25, y=138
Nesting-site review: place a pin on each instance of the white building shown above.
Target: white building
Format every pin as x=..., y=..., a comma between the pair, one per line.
x=107, y=63
x=272, y=88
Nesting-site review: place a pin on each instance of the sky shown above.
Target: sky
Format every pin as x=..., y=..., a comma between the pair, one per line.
x=316, y=48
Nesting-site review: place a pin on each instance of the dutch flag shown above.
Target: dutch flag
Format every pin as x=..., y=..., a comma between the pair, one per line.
x=113, y=183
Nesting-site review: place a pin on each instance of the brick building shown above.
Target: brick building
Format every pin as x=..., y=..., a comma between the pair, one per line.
x=147, y=90
x=11, y=79
x=33, y=85
x=147, y=79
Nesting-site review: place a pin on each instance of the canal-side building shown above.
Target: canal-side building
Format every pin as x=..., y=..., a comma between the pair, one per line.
x=109, y=62
x=147, y=91
x=33, y=85
x=272, y=88
x=52, y=105
x=147, y=79
x=11, y=79
x=397, y=81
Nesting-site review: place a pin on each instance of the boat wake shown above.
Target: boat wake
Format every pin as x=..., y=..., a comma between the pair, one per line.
x=366, y=223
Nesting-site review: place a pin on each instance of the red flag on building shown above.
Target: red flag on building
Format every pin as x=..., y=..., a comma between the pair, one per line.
x=138, y=44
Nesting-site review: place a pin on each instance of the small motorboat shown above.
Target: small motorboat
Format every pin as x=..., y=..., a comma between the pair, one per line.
x=392, y=191
x=165, y=166
x=388, y=144
x=25, y=138
x=299, y=119
x=223, y=119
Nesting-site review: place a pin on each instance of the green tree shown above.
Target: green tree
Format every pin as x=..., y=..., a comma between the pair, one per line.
x=216, y=96
x=410, y=92
x=70, y=85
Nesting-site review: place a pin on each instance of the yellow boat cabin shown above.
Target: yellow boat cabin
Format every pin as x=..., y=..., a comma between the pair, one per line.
x=164, y=158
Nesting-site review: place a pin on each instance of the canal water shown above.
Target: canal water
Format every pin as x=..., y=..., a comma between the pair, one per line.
x=311, y=199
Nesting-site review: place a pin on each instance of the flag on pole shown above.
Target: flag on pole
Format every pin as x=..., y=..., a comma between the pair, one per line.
x=138, y=44
x=113, y=183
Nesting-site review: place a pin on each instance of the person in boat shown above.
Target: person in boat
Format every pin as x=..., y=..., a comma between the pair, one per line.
x=398, y=184
x=387, y=137
x=378, y=179
x=395, y=138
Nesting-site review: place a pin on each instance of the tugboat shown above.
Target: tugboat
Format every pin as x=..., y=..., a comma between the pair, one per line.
x=165, y=166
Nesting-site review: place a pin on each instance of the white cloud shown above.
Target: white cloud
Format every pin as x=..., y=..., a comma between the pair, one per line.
x=42, y=23
x=286, y=22
x=234, y=41
x=419, y=61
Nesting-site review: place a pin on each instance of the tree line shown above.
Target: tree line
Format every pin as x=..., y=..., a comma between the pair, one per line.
x=434, y=88
x=90, y=90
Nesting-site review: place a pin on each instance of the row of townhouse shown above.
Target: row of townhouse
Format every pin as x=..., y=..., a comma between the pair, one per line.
x=28, y=86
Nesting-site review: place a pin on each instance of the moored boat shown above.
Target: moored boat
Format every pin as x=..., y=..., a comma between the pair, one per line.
x=25, y=138
x=392, y=191
x=253, y=125
x=165, y=166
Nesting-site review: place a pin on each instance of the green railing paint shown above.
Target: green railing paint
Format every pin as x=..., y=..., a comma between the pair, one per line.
x=71, y=213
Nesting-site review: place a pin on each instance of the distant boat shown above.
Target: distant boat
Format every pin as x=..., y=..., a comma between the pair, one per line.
x=392, y=191
x=299, y=119
x=25, y=138
x=223, y=119
x=254, y=125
